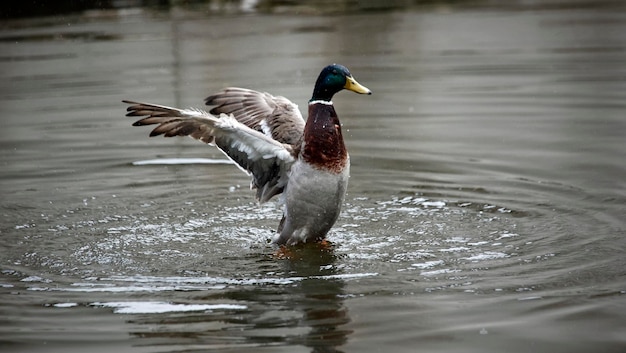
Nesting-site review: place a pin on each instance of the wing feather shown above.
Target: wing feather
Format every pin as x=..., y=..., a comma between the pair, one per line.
x=267, y=160
x=275, y=116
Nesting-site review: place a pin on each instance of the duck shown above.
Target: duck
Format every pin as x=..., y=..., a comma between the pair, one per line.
x=303, y=161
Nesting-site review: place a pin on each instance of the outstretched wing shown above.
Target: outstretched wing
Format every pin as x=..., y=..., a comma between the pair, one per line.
x=266, y=159
x=276, y=117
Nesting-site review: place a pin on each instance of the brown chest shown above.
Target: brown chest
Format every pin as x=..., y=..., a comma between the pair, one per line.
x=323, y=142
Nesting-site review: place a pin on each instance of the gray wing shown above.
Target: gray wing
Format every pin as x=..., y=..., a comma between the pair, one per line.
x=276, y=117
x=266, y=159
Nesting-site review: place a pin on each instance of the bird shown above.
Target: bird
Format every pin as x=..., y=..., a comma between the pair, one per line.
x=305, y=162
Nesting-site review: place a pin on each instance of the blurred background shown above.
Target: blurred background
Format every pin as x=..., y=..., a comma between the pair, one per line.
x=16, y=8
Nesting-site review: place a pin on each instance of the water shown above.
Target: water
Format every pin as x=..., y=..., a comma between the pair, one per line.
x=485, y=213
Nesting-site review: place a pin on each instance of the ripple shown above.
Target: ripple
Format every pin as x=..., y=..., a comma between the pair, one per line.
x=162, y=307
x=182, y=161
x=140, y=283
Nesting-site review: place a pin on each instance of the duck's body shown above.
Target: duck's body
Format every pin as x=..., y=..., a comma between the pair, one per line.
x=313, y=200
x=318, y=178
x=267, y=137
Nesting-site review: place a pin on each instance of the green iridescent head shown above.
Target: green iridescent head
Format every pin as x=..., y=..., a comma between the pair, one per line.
x=333, y=79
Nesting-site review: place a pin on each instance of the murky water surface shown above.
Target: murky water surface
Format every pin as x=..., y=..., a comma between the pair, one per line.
x=486, y=210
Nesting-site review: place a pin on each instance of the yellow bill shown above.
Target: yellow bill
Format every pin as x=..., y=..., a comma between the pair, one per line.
x=354, y=86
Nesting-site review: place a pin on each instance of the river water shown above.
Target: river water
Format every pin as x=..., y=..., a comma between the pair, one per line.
x=486, y=210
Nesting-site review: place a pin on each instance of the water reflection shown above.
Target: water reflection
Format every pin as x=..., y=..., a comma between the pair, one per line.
x=303, y=307
x=319, y=297
x=310, y=312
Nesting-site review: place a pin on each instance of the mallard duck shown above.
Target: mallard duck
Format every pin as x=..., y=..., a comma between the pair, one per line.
x=267, y=137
